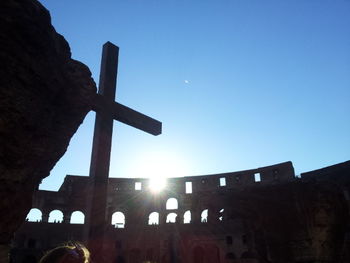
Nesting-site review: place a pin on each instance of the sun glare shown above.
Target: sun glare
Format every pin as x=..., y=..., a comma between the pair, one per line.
x=158, y=166
x=157, y=184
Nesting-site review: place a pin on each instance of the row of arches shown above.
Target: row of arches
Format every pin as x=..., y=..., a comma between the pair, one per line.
x=172, y=204
x=77, y=217
x=119, y=220
x=55, y=216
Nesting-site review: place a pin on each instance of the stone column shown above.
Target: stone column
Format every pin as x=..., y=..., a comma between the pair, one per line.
x=195, y=217
x=212, y=215
x=45, y=216
x=162, y=217
x=180, y=217
x=67, y=217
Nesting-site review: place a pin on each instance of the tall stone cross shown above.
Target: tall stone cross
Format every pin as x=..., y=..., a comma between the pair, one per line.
x=107, y=110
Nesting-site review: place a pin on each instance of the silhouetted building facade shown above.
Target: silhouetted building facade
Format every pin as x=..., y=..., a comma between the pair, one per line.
x=260, y=215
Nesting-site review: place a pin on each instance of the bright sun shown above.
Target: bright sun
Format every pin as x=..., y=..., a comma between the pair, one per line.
x=158, y=166
x=157, y=184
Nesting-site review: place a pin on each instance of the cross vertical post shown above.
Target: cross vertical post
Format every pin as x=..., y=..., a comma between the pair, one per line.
x=107, y=110
x=101, y=150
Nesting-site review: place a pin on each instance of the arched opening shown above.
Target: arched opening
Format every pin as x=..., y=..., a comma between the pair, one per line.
x=221, y=214
x=34, y=215
x=204, y=216
x=77, y=217
x=187, y=217
x=118, y=220
x=171, y=218
x=171, y=204
x=153, y=218
x=56, y=216
x=198, y=255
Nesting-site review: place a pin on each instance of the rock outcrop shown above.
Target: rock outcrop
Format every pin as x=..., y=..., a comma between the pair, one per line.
x=44, y=97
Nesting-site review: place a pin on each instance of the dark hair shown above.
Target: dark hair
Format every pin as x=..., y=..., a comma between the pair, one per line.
x=72, y=252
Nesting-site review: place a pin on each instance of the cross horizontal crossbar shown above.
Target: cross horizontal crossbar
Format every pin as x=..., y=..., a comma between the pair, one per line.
x=126, y=115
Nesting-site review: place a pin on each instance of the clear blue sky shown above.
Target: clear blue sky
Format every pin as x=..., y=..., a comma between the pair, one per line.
x=237, y=84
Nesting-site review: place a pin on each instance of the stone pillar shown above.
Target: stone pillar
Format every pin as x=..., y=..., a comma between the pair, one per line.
x=180, y=217
x=162, y=217
x=67, y=217
x=195, y=217
x=45, y=216
x=212, y=215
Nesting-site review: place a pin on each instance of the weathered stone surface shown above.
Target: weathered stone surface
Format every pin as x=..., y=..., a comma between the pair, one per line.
x=301, y=221
x=44, y=97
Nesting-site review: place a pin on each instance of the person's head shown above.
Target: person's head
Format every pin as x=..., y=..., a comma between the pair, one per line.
x=68, y=253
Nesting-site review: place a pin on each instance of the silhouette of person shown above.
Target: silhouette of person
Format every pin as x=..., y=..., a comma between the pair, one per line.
x=69, y=253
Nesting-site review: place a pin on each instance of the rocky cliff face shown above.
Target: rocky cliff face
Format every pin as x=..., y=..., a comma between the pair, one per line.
x=44, y=97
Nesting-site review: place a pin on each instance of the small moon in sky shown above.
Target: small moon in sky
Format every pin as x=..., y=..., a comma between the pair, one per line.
x=186, y=81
